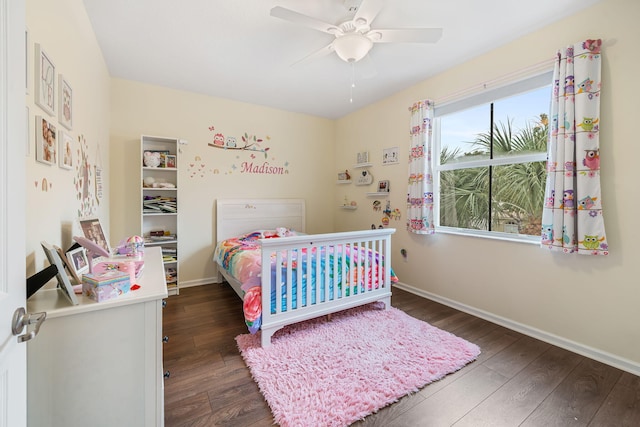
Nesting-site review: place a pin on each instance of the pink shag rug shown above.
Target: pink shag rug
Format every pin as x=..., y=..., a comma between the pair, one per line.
x=334, y=372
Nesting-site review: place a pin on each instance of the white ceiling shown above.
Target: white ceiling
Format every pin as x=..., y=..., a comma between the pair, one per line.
x=234, y=49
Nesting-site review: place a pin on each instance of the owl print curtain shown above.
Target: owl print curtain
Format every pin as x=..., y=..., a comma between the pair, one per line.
x=572, y=219
x=420, y=192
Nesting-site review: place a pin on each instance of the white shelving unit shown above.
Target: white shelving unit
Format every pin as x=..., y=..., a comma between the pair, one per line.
x=159, y=198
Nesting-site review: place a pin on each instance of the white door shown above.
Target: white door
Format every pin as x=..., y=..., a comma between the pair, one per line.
x=13, y=355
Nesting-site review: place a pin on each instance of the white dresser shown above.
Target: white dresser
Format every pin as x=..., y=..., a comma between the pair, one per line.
x=99, y=364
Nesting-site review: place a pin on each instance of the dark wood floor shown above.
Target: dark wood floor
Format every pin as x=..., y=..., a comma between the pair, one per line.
x=516, y=381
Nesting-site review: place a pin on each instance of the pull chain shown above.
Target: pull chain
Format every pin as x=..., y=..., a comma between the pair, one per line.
x=353, y=81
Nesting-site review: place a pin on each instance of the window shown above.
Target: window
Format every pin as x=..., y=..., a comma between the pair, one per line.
x=491, y=168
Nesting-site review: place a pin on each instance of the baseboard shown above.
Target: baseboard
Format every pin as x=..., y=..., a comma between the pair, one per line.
x=199, y=282
x=592, y=353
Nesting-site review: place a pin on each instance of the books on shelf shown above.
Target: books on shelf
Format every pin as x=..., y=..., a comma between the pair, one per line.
x=159, y=204
x=171, y=275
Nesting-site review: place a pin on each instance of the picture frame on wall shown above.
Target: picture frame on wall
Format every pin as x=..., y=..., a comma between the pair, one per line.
x=27, y=43
x=383, y=186
x=46, y=147
x=45, y=81
x=27, y=134
x=390, y=156
x=362, y=157
x=65, y=151
x=65, y=104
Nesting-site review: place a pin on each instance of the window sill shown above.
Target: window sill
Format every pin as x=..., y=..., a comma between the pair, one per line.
x=494, y=235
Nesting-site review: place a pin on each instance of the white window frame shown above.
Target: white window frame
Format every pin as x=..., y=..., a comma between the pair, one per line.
x=491, y=95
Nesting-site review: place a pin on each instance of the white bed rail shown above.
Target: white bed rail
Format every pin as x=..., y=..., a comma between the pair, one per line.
x=359, y=260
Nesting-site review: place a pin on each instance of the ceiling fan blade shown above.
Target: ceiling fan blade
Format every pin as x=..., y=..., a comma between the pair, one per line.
x=299, y=18
x=407, y=35
x=368, y=10
x=324, y=51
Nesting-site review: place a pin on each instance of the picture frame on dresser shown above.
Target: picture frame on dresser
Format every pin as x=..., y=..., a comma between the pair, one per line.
x=78, y=262
x=92, y=230
x=63, y=280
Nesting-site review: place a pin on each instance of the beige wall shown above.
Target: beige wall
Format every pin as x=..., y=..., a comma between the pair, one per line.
x=63, y=30
x=591, y=301
x=302, y=145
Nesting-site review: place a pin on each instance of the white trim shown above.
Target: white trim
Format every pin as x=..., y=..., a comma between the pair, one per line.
x=482, y=94
x=586, y=351
x=199, y=282
x=495, y=235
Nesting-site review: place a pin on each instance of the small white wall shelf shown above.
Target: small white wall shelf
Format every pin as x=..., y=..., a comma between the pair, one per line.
x=362, y=165
x=348, y=207
x=343, y=181
x=378, y=194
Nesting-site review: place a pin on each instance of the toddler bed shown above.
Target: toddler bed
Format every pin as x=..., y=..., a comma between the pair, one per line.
x=317, y=274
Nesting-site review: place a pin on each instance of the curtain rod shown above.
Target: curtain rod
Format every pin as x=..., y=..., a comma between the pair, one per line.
x=509, y=77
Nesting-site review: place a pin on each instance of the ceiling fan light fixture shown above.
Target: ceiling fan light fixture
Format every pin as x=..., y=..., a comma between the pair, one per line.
x=352, y=47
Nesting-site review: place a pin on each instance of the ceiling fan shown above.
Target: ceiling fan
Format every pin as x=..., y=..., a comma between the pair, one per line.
x=354, y=37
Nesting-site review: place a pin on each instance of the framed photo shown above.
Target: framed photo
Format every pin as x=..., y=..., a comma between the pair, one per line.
x=27, y=133
x=78, y=262
x=27, y=43
x=63, y=279
x=92, y=230
x=390, y=156
x=46, y=147
x=362, y=157
x=45, y=81
x=65, y=104
x=383, y=186
x=170, y=161
x=65, y=152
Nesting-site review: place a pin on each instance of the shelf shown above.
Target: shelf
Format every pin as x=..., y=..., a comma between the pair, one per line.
x=158, y=243
x=343, y=181
x=159, y=189
x=159, y=213
x=362, y=165
x=378, y=194
x=147, y=168
x=348, y=207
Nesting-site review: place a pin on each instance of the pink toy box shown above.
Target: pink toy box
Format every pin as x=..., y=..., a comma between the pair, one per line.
x=105, y=286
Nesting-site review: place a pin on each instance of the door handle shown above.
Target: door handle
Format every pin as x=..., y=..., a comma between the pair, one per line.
x=22, y=319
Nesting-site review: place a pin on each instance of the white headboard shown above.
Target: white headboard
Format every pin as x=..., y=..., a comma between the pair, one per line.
x=238, y=216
